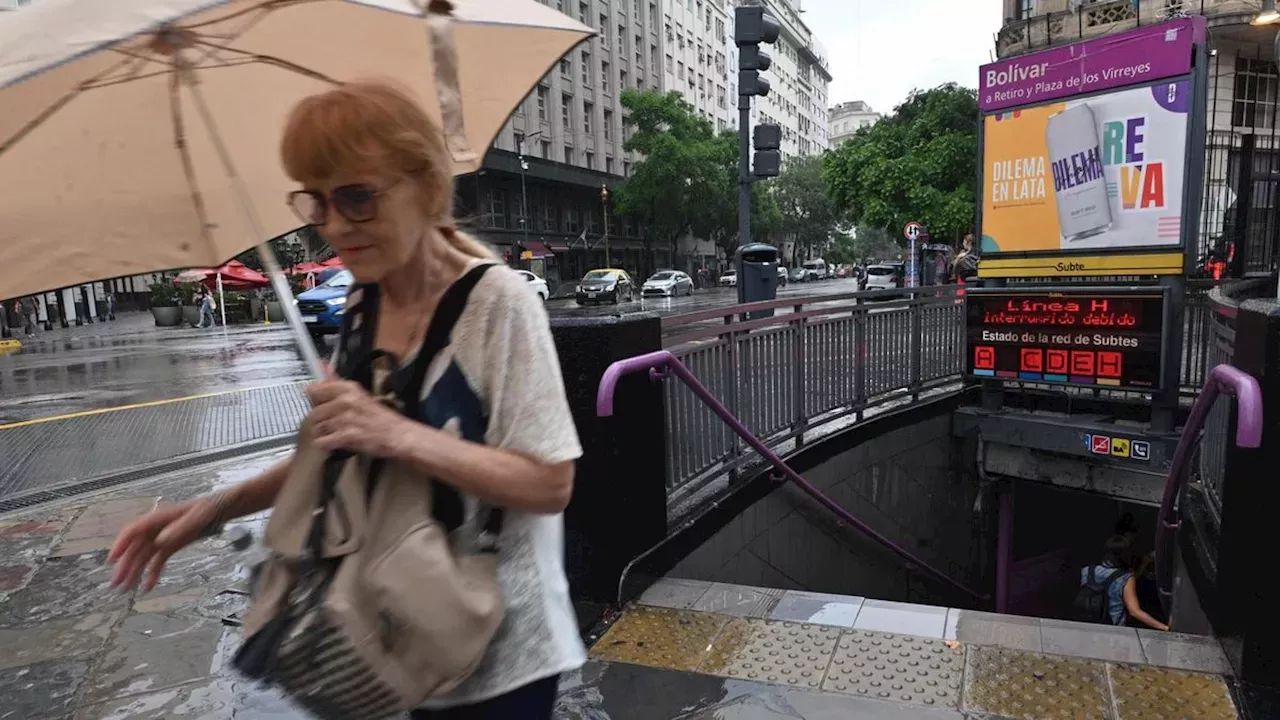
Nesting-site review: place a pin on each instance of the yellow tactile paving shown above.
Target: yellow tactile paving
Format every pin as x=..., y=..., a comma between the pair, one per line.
x=772, y=651
x=658, y=637
x=1016, y=684
x=897, y=668
x=1143, y=692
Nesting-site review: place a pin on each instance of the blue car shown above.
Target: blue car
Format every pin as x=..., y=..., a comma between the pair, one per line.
x=322, y=306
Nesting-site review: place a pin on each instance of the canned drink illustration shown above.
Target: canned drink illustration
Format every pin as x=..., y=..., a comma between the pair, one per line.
x=1079, y=184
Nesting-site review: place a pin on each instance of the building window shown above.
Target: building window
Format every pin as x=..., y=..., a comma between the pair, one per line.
x=622, y=79
x=720, y=30
x=519, y=138
x=653, y=56
x=591, y=160
x=566, y=68
x=582, y=12
x=720, y=99
x=1024, y=9
x=604, y=28
x=604, y=77
x=635, y=9
x=587, y=111
x=626, y=168
x=560, y=5
x=608, y=124
x=571, y=220
x=608, y=164
x=586, y=69
x=568, y=155
x=565, y=119
x=679, y=68
x=495, y=212
x=622, y=41
x=542, y=104
x=550, y=218
x=1253, y=102
x=546, y=149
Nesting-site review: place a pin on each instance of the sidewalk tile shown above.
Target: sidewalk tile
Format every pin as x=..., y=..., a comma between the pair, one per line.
x=1091, y=640
x=98, y=525
x=1143, y=693
x=77, y=637
x=1016, y=684
x=63, y=587
x=201, y=570
x=152, y=652
x=674, y=639
x=42, y=691
x=1184, y=652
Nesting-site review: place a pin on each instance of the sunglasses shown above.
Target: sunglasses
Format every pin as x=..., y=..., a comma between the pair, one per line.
x=355, y=203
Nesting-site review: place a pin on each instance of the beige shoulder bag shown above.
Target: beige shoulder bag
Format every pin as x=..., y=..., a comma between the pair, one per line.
x=368, y=604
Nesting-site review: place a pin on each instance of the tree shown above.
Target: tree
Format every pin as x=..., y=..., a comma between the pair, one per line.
x=804, y=204
x=687, y=179
x=917, y=164
x=863, y=244
x=677, y=177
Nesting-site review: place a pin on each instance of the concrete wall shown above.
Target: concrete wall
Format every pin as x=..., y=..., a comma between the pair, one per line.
x=900, y=483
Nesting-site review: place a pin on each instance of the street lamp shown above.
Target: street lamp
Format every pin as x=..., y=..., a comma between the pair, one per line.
x=524, y=197
x=604, y=203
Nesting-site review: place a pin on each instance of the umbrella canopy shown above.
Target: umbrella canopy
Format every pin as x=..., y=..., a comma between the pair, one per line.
x=305, y=268
x=333, y=262
x=235, y=276
x=140, y=135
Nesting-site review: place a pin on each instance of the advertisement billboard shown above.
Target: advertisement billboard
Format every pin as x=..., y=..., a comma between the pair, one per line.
x=1103, y=172
x=1136, y=57
x=1093, y=337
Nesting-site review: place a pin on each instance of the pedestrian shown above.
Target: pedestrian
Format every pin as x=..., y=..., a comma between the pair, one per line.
x=1111, y=587
x=111, y=305
x=29, y=315
x=376, y=183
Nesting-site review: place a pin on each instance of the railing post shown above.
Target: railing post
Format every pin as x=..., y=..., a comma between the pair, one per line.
x=863, y=354
x=732, y=396
x=916, y=308
x=799, y=419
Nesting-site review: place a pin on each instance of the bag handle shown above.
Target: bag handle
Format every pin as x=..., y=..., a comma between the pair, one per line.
x=446, y=502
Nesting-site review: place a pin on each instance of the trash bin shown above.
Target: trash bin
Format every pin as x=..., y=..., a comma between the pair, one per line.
x=757, y=276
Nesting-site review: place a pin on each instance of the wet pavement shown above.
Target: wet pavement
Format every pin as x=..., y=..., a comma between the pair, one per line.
x=75, y=650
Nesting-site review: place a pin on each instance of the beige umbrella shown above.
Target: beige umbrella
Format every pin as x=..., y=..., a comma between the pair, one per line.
x=140, y=135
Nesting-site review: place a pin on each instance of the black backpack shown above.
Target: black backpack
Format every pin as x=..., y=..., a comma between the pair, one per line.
x=1091, y=599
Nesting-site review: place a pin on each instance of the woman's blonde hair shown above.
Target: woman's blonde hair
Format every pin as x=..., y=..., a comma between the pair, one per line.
x=371, y=126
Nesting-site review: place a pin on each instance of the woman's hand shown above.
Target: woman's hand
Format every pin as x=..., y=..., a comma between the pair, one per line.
x=148, y=542
x=344, y=416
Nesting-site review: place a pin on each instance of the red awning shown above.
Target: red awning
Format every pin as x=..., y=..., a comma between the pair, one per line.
x=306, y=267
x=536, y=250
x=235, y=276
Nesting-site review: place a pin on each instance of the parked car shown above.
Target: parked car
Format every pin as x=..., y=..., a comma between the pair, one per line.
x=605, y=285
x=729, y=279
x=536, y=284
x=799, y=274
x=885, y=276
x=816, y=269
x=667, y=283
x=782, y=276
x=322, y=306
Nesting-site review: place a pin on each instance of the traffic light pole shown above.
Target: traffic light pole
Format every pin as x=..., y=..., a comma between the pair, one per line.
x=744, y=170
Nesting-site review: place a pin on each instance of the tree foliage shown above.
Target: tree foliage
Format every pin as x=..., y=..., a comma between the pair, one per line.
x=917, y=164
x=687, y=177
x=805, y=206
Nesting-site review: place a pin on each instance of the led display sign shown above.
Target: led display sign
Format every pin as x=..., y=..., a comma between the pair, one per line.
x=1096, y=337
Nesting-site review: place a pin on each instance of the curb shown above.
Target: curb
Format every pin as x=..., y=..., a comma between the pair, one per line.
x=34, y=498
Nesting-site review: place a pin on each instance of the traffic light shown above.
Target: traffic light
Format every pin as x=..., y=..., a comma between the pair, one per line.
x=768, y=160
x=752, y=26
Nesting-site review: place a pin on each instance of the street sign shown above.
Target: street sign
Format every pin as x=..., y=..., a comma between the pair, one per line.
x=911, y=231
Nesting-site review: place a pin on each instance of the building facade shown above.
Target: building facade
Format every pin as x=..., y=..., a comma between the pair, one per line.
x=542, y=198
x=797, y=100
x=697, y=61
x=847, y=118
x=1240, y=206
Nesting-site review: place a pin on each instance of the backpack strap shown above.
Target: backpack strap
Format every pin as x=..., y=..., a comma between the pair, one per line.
x=446, y=501
x=1106, y=593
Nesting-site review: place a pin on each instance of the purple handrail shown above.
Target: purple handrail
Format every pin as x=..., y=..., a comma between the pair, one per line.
x=1222, y=380
x=662, y=363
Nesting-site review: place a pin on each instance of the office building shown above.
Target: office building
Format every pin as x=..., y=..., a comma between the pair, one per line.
x=847, y=118
x=797, y=100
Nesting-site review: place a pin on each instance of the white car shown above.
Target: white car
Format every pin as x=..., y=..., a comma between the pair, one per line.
x=729, y=279
x=537, y=284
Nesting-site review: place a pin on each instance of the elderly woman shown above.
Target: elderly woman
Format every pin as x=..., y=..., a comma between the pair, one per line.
x=376, y=182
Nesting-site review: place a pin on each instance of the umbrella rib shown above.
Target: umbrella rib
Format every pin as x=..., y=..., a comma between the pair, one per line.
x=180, y=142
x=270, y=60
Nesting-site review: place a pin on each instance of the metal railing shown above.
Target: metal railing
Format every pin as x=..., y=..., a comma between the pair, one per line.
x=814, y=366
x=662, y=364
x=1222, y=380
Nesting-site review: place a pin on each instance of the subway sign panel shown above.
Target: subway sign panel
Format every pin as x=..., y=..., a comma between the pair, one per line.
x=1092, y=337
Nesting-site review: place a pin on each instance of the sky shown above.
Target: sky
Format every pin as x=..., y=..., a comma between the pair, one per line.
x=880, y=50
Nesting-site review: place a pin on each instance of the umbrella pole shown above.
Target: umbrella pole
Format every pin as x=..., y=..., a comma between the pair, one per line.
x=222, y=303
x=278, y=282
